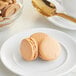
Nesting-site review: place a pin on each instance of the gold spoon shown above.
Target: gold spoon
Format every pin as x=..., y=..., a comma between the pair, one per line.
x=48, y=9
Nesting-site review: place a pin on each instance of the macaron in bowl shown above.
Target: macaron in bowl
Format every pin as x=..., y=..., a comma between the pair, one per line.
x=9, y=12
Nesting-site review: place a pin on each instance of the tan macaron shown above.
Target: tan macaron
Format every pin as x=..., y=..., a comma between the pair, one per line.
x=10, y=1
x=3, y=4
x=29, y=49
x=44, y=7
x=39, y=36
x=10, y=10
x=49, y=49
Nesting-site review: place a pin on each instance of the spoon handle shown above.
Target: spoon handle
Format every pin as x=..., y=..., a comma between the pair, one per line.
x=66, y=17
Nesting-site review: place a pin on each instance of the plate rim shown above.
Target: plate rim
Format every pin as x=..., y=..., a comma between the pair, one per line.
x=59, y=25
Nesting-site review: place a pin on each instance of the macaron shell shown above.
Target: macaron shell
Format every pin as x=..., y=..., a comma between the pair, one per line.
x=39, y=36
x=49, y=49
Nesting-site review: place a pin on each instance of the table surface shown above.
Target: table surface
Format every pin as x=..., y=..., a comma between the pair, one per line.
x=29, y=19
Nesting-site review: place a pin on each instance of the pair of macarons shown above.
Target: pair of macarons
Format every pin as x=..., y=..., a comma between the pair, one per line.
x=40, y=45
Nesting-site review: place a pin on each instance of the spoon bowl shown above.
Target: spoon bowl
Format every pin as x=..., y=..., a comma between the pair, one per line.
x=49, y=8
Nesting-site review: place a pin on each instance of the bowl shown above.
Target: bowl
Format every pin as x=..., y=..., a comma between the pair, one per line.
x=7, y=21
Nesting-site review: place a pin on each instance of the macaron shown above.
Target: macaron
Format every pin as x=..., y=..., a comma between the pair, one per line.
x=39, y=36
x=10, y=10
x=29, y=49
x=44, y=7
x=10, y=1
x=3, y=4
x=49, y=49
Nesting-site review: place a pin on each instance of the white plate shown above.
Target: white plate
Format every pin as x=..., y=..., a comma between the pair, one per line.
x=59, y=21
x=12, y=59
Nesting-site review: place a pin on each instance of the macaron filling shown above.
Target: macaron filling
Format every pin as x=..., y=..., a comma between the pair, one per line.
x=32, y=43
